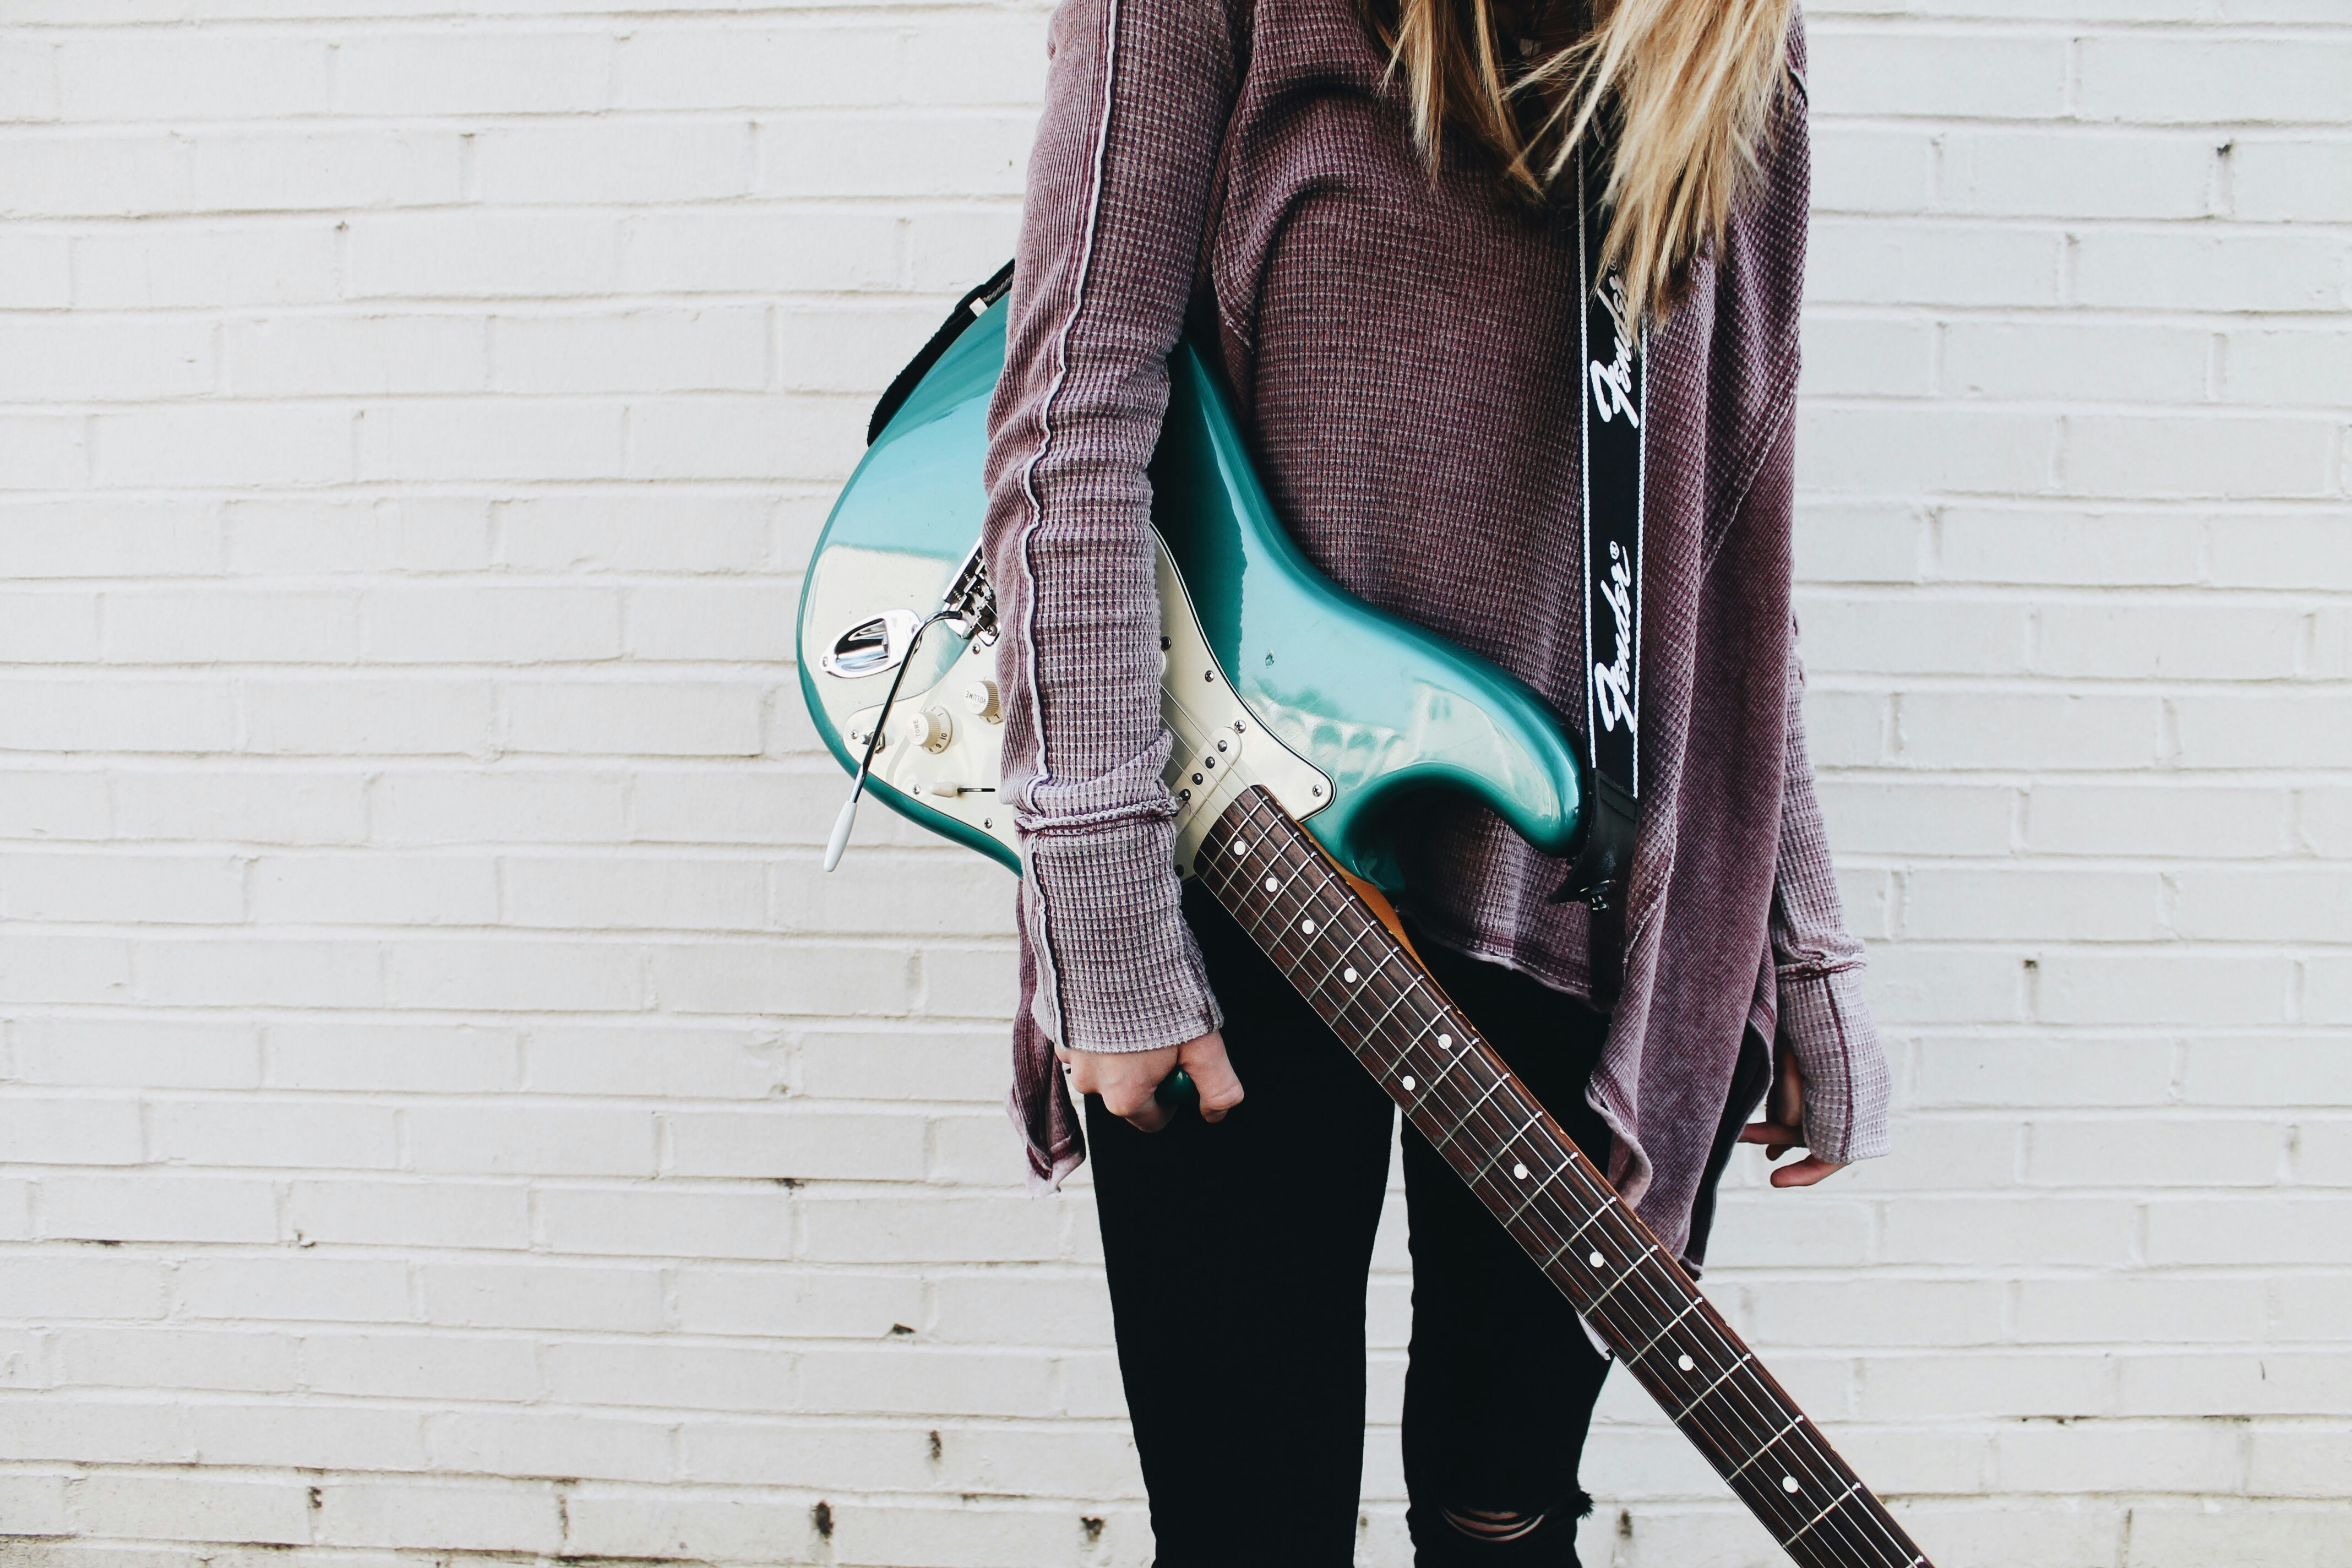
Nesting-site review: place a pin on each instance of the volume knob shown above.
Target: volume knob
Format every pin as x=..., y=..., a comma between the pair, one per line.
x=929, y=728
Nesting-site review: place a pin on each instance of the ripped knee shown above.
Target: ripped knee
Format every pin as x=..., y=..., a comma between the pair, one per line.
x=1493, y=1526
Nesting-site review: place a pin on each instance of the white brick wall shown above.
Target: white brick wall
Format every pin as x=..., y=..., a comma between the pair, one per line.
x=443, y=1112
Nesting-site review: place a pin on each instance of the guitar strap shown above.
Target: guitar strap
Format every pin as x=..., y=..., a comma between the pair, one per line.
x=1610, y=393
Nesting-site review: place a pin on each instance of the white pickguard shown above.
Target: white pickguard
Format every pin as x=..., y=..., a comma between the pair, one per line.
x=945, y=744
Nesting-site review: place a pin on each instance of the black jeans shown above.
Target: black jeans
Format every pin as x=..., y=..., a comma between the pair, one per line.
x=1238, y=1255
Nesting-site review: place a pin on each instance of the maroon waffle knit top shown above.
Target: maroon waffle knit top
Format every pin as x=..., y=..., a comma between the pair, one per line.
x=1405, y=355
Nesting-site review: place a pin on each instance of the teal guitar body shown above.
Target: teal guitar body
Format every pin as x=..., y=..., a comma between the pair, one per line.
x=1276, y=676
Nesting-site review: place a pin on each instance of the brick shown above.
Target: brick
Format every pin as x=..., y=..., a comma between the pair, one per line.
x=276, y=261
x=2103, y=548
x=306, y=356
x=705, y=719
x=2014, y=903
x=505, y=1443
x=428, y=441
x=190, y=75
x=374, y=889
x=2267, y=1071
x=666, y=1220
x=629, y=531
x=2268, y=730
x=2276, y=904
x=271, y=1133
x=2106, y=1457
x=1950, y=729
x=1858, y=170
x=690, y=1524
x=1978, y=1072
x=245, y=1361
x=245, y=806
x=956, y=1230
x=1878, y=260
x=450, y=1059
x=636, y=893
x=64, y=969
x=133, y=1431
x=2138, y=1152
x=740, y=67
x=206, y=1508
x=294, y=1289
x=2088, y=986
x=420, y=1366
x=311, y=1437
x=718, y=348
x=53, y=805
x=120, y=1286
x=2178, y=79
x=804, y=1454
x=81, y=357
x=2290, y=180
x=2288, y=365
x=2185, y=271
x=731, y=622
x=389, y=1213
x=644, y=1059
x=633, y=160
x=1889, y=448
x=481, y=1516
x=2268, y=1231
x=482, y=254
x=545, y=1295
x=951, y=1064
x=797, y=1303
x=787, y=436
x=70, y=1129
x=510, y=805
x=779, y=1142
x=2209, y=1384
x=768, y=978
x=199, y=890
x=175, y=1208
x=2144, y=1309
x=407, y=533
x=511, y=975
x=307, y=170
x=1911, y=633
x=149, y=1054
x=547, y=1141
x=470, y=72
x=425, y=717
x=2168, y=642
x=117, y=715
x=2148, y=455
x=2092, y=362
x=221, y=971
x=749, y=248
x=2183, y=818
x=672, y=1376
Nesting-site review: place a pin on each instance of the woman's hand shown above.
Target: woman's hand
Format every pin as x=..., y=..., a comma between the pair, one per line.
x=1783, y=1129
x=1127, y=1079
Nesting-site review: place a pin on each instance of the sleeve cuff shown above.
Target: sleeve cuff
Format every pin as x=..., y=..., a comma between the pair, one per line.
x=1118, y=969
x=1827, y=1023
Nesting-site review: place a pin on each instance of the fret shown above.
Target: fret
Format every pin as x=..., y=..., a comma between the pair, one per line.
x=1733, y=1474
x=1689, y=1307
x=1710, y=1388
x=1503, y=1147
x=1467, y=1115
x=1631, y=1269
x=1382, y=1003
x=1835, y=1502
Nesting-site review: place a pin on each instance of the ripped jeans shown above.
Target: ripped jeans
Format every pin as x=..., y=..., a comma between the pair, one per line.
x=1238, y=1258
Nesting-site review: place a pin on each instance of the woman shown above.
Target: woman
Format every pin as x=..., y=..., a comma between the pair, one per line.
x=1374, y=212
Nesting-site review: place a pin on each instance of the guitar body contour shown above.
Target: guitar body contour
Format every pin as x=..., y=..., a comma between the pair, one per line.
x=1373, y=706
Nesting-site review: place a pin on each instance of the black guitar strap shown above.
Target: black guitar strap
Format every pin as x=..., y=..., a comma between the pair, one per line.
x=1610, y=394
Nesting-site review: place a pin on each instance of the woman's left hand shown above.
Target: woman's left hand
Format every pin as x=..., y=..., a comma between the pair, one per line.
x=1783, y=1129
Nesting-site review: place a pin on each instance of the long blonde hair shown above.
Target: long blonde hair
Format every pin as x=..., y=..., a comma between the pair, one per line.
x=1687, y=89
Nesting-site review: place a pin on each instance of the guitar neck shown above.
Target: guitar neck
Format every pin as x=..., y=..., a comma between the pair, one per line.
x=1380, y=1001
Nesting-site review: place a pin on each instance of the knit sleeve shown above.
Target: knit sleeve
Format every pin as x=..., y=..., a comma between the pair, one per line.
x=1823, y=1016
x=1138, y=96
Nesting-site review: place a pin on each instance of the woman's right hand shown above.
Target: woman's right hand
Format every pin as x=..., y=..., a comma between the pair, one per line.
x=1127, y=1080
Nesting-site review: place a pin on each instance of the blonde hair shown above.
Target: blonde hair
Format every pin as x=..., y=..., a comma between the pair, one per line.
x=1686, y=89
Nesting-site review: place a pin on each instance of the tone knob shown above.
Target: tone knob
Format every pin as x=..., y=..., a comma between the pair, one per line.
x=929, y=728
x=979, y=700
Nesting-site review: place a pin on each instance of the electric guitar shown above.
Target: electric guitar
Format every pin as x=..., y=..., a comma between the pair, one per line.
x=1304, y=721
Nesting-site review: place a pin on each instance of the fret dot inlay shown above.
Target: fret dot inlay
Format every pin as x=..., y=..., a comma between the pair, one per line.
x=1685, y=1362
x=1446, y=1041
x=1308, y=926
x=1519, y=1170
x=1596, y=1260
x=1241, y=848
x=1408, y=1084
x=1788, y=1483
x=1350, y=976
x=1274, y=884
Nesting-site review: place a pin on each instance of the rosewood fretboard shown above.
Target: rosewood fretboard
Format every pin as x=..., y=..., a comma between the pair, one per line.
x=1384, y=1006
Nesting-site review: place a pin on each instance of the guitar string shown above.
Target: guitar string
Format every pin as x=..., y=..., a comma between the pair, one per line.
x=1751, y=1448
x=1812, y=1455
